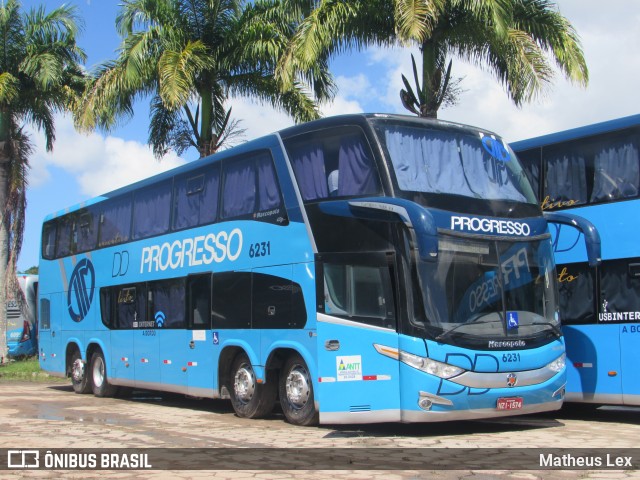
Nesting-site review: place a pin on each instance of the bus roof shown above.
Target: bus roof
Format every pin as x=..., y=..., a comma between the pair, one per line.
x=575, y=133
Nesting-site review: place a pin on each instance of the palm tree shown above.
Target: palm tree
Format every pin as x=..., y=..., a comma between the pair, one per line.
x=513, y=39
x=40, y=75
x=186, y=52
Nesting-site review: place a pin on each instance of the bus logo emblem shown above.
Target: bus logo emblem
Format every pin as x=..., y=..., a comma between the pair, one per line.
x=512, y=380
x=81, y=287
x=496, y=149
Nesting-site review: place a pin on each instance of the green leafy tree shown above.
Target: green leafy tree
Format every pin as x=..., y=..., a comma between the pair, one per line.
x=189, y=56
x=515, y=40
x=40, y=75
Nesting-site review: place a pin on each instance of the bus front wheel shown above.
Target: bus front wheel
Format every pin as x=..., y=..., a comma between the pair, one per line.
x=101, y=385
x=249, y=398
x=79, y=374
x=296, y=393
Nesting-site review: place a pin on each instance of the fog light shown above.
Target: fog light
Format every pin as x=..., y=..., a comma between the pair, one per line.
x=425, y=403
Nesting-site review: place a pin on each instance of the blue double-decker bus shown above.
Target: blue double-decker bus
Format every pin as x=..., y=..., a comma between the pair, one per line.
x=594, y=172
x=361, y=268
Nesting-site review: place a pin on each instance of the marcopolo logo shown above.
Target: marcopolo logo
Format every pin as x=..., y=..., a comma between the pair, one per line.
x=81, y=287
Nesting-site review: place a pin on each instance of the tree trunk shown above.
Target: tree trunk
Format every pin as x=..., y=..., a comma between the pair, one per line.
x=430, y=80
x=4, y=242
x=205, y=125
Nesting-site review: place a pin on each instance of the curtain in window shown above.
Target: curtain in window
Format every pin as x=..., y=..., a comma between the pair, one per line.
x=239, y=197
x=357, y=175
x=87, y=230
x=65, y=234
x=566, y=179
x=617, y=173
x=426, y=163
x=151, y=211
x=168, y=304
x=196, y=199
x=486, y=176
x=308, y=166
x=115, y=222
x=268, y=189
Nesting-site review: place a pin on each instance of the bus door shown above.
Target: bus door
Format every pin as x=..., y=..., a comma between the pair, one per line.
x=630, y=358
x=49, y=335
x=356, y=320
x=199, y=342
x=146, y=323
x=620, y=311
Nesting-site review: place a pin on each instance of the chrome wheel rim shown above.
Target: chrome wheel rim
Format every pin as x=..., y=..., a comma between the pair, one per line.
x=77, y=370
x=298, y=387
x=244, y=383
x=98, y=372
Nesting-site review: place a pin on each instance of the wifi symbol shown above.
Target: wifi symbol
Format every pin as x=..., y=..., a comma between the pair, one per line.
x=160, y=317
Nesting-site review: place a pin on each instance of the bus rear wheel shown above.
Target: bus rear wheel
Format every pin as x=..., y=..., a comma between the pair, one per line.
x=79, y=376
x=100, y=382
x=296, y=393
x=249, y=398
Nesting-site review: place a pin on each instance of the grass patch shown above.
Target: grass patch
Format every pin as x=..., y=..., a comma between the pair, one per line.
x=27, y=369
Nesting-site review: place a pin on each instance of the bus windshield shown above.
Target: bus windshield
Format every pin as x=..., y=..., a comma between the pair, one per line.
x=492, y=290
x=453, y=161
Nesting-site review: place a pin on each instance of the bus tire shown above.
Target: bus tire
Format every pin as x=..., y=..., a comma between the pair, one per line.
x=80, y=379
x=99, y=380
x=296, y=393
x=249, y=398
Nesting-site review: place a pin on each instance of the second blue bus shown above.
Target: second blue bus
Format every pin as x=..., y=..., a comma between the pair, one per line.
x=594, y=172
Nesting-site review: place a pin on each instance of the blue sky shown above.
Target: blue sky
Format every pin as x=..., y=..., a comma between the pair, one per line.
x=83, y=166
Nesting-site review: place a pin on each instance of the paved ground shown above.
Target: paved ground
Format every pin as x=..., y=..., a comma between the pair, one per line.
x=48, y=416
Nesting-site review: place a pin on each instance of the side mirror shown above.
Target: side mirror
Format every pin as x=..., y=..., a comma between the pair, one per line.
x=417, y=219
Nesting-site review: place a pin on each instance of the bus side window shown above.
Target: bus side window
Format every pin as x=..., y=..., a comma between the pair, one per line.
x=152, y=210
x=333, y=163
x=199, y=301
x=115, y=221
x=49, y=240
x=620, y=289
x=167, y=303
x=87, y=230
x=131, y=306
x=231, y=300
x=66, y=242
x=277, y=302
x=196, y=199
x=362, y=293
x=576, y=286
x=45, y=314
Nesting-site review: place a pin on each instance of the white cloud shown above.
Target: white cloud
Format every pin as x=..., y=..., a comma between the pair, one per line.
x=98, y=163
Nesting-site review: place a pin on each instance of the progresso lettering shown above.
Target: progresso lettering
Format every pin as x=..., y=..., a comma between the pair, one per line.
x=191, y=252
x=487, y=225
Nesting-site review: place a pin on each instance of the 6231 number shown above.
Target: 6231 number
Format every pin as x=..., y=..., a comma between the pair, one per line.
x=260, y=249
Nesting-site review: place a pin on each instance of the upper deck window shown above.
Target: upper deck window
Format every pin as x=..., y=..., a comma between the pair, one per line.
x=151, y=210
x=448, y=161
x=196, y=198
x=333, y=163
x=250, y=185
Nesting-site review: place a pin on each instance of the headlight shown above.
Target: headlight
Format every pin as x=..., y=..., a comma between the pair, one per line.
x=558, y=364
x=439, y=369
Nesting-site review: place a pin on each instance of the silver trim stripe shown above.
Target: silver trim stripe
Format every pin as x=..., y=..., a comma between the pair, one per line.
x=499, y=380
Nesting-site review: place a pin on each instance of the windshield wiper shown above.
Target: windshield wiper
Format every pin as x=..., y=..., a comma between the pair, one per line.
x=445, y=334
x=555, y=328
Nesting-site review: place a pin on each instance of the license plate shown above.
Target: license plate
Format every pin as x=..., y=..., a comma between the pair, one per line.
x=512, y=403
